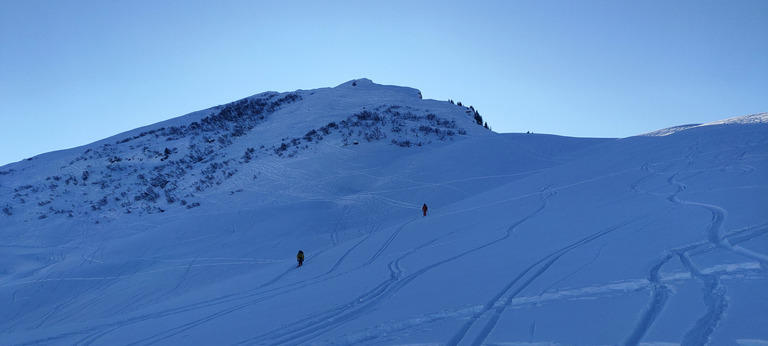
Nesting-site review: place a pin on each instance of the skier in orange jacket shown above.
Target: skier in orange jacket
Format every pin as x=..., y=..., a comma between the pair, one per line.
x=424, y=209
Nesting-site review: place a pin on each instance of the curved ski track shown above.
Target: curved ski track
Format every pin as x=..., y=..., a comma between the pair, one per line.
x=498, y=303
x=316, y=325
x=714, y=297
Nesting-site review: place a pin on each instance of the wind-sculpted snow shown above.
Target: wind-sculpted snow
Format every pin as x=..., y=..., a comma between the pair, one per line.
x=529, y=239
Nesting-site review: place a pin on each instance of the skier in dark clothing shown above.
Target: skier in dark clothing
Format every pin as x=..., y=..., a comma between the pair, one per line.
x=424, y=209
x=300, y=258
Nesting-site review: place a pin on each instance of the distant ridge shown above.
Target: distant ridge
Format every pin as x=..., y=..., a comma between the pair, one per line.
x=741, y=120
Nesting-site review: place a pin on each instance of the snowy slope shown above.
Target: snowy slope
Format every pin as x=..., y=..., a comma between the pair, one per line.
x=529, y=239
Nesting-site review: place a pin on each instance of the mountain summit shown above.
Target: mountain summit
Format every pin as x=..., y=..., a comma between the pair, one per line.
x=187, y=231
x=169, y=164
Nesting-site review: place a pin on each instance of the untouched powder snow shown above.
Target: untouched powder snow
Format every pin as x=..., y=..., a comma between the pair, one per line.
x=186, y=231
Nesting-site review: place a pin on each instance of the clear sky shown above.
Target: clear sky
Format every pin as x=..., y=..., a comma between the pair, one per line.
x=73, y=72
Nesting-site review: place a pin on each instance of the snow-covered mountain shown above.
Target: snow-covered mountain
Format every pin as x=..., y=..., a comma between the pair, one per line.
x=185, y=232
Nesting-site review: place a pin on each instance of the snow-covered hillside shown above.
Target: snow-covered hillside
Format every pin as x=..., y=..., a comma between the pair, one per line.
x=185, y=232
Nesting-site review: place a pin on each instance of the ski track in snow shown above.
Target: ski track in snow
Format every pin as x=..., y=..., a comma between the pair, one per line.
x=319, y=323
x=497, y=305
x=658, y=284
x=714, y=297
x=659, y=296
x=609, y=289
x=715, y=300
x=388, y=242
x=314, y=326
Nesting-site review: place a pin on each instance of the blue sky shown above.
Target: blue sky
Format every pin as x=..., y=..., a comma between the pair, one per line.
x=73, y=72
